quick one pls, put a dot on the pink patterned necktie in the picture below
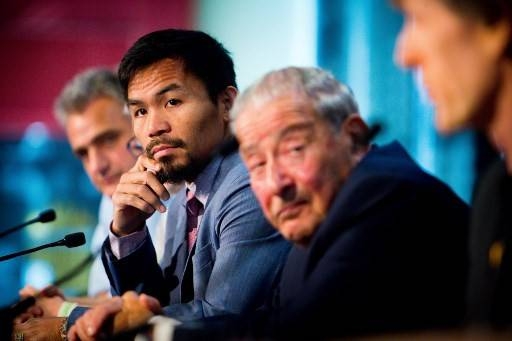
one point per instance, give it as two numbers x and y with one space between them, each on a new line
194 210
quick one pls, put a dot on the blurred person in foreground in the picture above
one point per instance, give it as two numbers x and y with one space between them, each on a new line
379 245
463 50
92 110
223 256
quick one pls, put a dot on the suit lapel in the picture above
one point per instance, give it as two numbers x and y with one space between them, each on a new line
181 263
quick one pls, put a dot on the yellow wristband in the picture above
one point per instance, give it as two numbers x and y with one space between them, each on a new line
66 308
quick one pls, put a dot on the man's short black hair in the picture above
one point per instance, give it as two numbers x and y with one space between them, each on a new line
489 11
201 55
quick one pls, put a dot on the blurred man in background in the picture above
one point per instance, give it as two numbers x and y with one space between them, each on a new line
92 110
463 50
93 113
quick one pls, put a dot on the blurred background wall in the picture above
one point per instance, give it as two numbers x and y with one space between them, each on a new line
44 43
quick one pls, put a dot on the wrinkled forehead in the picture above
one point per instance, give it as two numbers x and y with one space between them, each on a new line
272 107
266 126
264 98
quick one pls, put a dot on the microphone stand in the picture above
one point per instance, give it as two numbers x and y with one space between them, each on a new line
7 314
70 240
75 270
24 252
44 217
17 227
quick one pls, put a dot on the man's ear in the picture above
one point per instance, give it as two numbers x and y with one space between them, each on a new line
355 127
226 100
495 39
508 48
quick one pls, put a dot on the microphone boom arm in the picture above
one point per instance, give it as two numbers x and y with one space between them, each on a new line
44 217
24 252
70 240
17 227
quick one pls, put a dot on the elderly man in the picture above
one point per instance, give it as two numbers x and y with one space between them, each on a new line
223 256
464 51
379 244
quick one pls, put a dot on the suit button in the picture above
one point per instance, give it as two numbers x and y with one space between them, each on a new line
496 254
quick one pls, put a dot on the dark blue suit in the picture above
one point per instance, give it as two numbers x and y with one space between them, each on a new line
235 263
391 255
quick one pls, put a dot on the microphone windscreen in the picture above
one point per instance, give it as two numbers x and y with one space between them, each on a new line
74 239
46 216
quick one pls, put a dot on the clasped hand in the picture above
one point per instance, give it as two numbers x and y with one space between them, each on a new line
116 315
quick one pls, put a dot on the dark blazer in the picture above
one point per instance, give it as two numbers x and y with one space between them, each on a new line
390 255
490 280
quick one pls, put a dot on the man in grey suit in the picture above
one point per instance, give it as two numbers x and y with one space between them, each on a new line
180 86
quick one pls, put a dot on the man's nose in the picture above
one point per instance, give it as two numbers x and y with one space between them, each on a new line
98 162
278 178
406 53
157 124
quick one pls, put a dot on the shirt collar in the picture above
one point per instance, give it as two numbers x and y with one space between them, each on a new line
202 186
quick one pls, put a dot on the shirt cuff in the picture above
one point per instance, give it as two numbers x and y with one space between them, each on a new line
74 315
163 327
123 246
66 308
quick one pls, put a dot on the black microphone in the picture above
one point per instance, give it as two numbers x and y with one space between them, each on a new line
44 217
373 130
70 240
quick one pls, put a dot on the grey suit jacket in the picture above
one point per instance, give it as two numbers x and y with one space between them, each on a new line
237 259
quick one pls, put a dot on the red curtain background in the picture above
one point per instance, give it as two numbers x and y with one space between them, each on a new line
44 43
